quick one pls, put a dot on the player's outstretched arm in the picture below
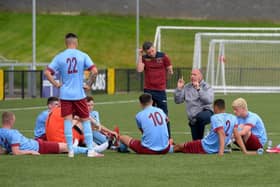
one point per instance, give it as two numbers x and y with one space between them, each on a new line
17 151
222 136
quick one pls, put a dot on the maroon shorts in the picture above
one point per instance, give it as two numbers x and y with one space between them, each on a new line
253 143
78 108
136 146
43 137
193 147
46 147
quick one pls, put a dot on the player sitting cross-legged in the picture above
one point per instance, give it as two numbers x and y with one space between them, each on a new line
223 125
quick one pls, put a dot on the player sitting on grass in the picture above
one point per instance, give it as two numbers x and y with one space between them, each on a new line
55 131
223 125
40 125
251 126
14 142
55 128
151 121
102 136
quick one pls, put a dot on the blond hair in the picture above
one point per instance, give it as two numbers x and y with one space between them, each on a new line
240 103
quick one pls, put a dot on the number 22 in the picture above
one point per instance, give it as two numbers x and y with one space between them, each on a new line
72 63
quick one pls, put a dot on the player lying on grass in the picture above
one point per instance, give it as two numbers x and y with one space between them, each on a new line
251 126
151 121
14 142
223 125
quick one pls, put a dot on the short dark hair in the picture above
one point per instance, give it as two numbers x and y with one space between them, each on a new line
7 116
145 98
147 45
89 98
52 99
220 103
70 35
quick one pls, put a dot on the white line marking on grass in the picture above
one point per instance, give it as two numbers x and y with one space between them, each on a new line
44 107
97 103
24 108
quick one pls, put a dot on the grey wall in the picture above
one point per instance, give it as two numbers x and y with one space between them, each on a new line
195 9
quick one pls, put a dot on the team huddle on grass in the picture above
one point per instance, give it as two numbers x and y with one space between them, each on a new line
71 126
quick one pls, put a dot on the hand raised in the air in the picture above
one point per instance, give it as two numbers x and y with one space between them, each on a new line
180 83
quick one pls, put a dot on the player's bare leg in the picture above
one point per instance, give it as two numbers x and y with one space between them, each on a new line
179 147
125 139
246 136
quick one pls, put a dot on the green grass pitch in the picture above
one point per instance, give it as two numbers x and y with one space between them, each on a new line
117 169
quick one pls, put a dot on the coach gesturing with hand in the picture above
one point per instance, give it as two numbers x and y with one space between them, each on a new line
199 97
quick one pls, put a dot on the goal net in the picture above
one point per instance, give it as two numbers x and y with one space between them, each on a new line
241 59
189 46
244 65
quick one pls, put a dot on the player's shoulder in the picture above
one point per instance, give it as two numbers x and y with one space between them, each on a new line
94 113
252 115
44 112
224 116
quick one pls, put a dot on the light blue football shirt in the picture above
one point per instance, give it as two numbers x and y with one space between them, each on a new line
71 64
95 115
40 125
227 122
10 137
152 121
98 137
257 125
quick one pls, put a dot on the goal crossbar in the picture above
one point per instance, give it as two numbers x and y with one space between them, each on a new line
220 67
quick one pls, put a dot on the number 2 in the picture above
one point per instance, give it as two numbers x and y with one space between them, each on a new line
227 127
72 63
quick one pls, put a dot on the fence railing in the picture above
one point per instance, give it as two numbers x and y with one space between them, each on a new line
32 83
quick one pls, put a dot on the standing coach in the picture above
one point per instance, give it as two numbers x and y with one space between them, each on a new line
156 67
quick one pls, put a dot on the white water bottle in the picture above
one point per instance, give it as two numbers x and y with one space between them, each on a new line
269 144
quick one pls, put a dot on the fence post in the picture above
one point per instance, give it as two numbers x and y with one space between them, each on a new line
11 81
22 84
2 90
110 80
128 80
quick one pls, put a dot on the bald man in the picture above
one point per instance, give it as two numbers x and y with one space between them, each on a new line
199 97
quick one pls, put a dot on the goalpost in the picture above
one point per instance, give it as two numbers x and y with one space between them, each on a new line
244 66
189 44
